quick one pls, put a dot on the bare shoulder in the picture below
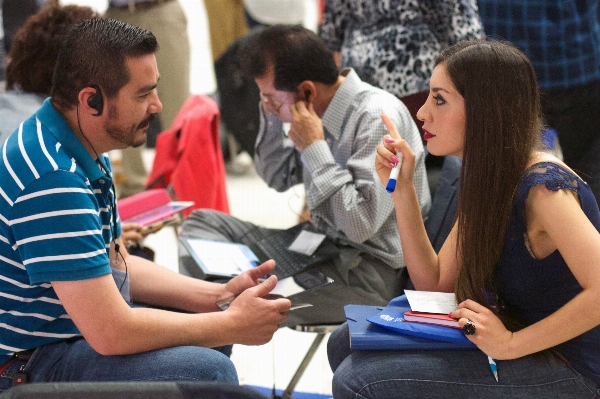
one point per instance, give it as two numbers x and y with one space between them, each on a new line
541 156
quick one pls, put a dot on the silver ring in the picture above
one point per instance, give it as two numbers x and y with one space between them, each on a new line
469 328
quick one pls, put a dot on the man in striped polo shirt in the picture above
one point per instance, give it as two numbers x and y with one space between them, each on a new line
65 276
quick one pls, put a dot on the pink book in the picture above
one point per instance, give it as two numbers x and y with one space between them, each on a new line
431 318
150 207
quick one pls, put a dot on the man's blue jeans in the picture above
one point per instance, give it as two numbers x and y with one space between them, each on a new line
78 362
447 374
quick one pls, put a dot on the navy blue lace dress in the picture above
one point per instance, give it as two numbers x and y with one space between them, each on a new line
534 288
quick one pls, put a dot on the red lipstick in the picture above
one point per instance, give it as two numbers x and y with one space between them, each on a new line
427 135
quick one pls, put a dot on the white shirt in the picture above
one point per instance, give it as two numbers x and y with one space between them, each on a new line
271 12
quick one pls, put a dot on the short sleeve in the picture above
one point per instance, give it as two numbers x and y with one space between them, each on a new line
57 229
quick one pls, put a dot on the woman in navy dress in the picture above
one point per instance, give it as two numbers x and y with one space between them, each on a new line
523 257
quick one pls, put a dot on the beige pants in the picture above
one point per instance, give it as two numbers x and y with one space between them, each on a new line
168 23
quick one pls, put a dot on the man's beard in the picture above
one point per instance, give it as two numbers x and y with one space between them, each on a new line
128 136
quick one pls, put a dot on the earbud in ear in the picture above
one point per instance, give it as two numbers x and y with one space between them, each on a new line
307 95
96 101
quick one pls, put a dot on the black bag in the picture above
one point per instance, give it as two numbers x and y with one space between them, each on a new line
238 97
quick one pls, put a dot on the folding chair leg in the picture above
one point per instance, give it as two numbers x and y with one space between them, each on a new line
287 394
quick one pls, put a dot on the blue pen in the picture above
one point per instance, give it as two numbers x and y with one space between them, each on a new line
493 367
391 185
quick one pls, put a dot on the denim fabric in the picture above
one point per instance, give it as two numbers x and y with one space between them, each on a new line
77 362
447 374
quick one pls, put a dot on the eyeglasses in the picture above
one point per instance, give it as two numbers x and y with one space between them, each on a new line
270 104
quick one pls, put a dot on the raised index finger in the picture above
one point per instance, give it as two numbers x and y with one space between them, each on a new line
391 128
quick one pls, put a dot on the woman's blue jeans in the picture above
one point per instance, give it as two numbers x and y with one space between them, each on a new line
447 374
76 361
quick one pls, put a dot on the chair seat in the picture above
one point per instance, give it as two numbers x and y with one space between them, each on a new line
131 390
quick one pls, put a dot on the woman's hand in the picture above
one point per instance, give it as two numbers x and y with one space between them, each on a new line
387 157
490 334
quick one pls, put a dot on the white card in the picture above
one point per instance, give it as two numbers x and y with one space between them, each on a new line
307 242
431 302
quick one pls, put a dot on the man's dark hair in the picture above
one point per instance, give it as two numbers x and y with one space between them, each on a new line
94 53
297 54
36 44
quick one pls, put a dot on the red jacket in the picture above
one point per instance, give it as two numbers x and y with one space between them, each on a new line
189 159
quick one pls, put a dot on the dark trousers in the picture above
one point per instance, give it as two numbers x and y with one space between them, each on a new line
358 277
573 113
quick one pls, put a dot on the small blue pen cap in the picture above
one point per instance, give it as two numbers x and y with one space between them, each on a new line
391 186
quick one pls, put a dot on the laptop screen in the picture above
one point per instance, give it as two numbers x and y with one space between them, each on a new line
217 258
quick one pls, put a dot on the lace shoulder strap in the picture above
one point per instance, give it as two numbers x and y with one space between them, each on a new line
554 176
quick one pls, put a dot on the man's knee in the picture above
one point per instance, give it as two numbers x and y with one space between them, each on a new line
201 364
199 218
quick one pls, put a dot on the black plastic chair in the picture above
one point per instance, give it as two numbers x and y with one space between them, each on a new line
131 390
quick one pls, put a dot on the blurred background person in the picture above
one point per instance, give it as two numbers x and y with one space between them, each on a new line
15 13
562 40
31 62
167 21
393 44
273 12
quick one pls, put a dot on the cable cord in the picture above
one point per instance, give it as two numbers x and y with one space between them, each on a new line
112 200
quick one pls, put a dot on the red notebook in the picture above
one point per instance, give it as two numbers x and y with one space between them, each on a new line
150 208
431 318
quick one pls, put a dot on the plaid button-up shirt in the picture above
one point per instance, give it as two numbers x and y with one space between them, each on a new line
560 37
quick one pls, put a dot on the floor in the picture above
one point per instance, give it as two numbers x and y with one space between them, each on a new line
274 363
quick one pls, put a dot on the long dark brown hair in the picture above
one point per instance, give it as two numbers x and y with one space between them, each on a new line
503 125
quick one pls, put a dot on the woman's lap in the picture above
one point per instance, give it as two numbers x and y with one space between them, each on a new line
448 374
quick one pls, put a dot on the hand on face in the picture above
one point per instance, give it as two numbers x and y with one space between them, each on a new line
490 335
307 127
386 156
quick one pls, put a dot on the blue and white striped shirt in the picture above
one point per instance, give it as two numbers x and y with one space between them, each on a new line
55 225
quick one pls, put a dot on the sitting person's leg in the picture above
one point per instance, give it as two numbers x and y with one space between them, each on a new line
454 374
214 225
338 346
77 361
358 279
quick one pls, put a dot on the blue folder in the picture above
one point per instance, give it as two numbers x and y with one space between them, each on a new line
392 318
365 335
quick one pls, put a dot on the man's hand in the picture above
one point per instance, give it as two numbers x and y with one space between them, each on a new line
307 127
247 279
255 315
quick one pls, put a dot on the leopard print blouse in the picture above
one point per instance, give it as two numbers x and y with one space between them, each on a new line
392 44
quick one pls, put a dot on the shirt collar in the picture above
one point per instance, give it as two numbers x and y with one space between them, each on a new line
72 145
334 115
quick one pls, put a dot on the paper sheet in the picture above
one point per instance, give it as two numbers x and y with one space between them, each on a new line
431 302
307 242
